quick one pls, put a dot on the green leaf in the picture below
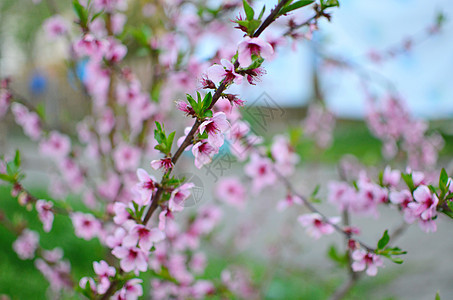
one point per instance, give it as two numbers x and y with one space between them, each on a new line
256 63
170 139
443 180
158 126
7 178
80 12
440 19
253 26
329 3
262 12
294 6
192 103
384 240
396 260
315 191
208 114
11 168
17 158
41 110
381 178
249 12
340 259
437 296
409 181
96 15
207 100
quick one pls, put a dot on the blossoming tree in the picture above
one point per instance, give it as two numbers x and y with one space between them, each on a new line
121 158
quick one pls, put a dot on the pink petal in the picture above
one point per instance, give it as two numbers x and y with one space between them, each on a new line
216 73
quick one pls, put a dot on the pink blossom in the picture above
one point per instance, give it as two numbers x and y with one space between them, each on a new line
130 291
86 225
72 174
202 288
253 46
55 26
203 153
109 188
132 259
319 124
56 146
289 201
215 127
178 269
53 255
403 198
181 139
283 153
316 226
427 225
366 260
115 51
106 122
186 108
425 203
260 170
128 94
104 271
391 177
110 5
118 20
116 239
57 274
126 157
121 213
341 194
231 191
87 280
143 236
45 213
198 262
225 72
178 196
146 186
5 99
28 120
234 100
208 217
164 163
26 244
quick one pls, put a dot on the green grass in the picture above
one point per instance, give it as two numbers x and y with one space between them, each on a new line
20 278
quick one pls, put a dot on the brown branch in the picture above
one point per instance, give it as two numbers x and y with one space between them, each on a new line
217 94
271 18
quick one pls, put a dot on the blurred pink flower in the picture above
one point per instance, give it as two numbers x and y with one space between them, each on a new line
86 225
231 191
366 260
55 26
26 244
131 259
316 226
45 213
